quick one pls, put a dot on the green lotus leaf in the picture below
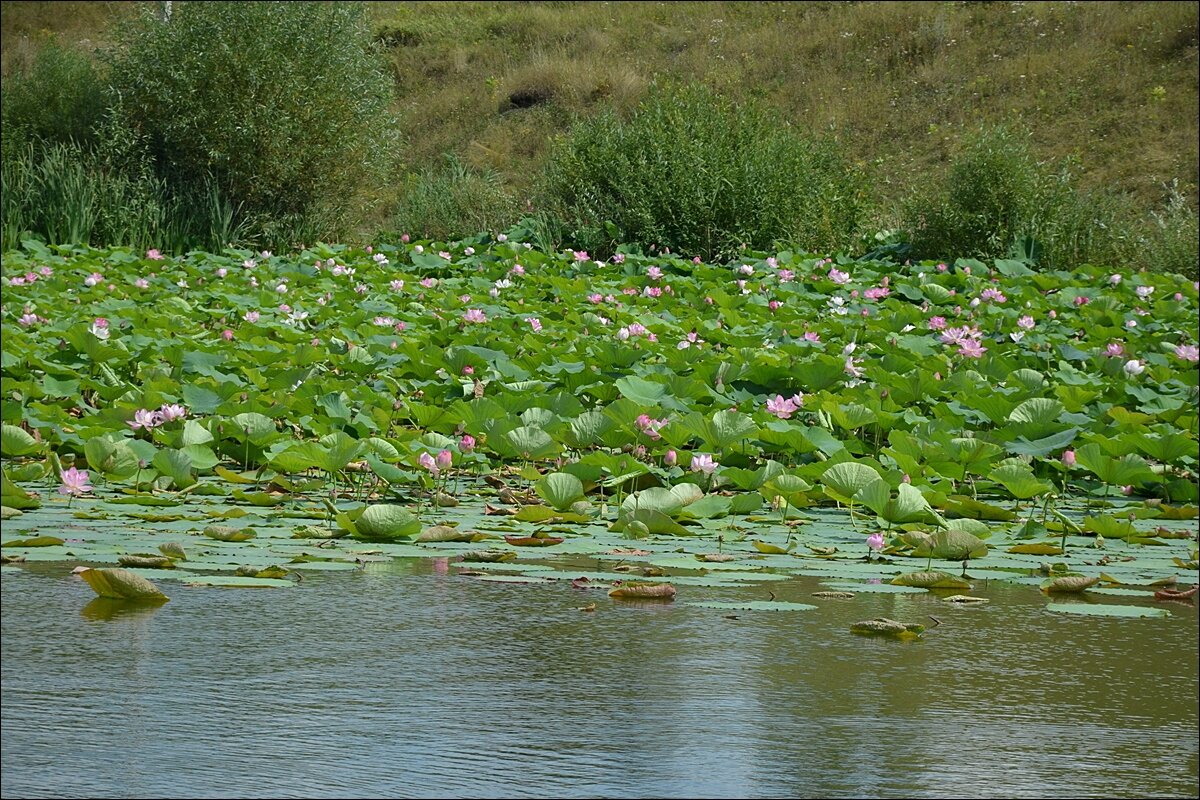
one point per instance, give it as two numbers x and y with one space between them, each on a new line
120 584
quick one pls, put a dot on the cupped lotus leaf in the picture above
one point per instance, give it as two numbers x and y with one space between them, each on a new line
1070 584
146 562
589 428
882 626
1126 470
298 457
931 580
530 442
1038 417
655 522
772 549
909 505
489 556
9 513
711 506
951 545
173 550
14 496
251 426
753 605
643 591
788 487
1020 481
35 541
636 529
120 584
560 490
384 522
1037 549
444 533
114 459
1110 527
685 494
970 508
1106 610
15 441
843 481
641 391
224 533
176 465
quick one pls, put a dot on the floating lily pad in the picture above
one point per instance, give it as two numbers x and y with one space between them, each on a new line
754 605
239 581
1102 610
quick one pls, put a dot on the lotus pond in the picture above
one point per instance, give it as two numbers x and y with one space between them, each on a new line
472 518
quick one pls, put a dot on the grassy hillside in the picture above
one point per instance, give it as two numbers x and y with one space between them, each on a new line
899 84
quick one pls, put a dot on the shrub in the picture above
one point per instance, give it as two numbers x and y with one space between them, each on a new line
58 98
453 202
701 175
284 104
997 196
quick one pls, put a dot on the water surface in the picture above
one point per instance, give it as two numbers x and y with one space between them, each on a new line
401 681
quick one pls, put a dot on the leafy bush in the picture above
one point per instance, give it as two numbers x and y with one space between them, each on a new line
106 194
452 202
284 104
58 98
700 175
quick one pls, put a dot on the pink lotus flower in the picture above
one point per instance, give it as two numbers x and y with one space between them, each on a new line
172 411
937 323
396 285
1144 291
517 270
852 367
670 459
444 459
1114 350
580 255
839 277
1188 352
428 283
427 461
971 348
810 336
26 320
146 419
474 315
1114 279
100 328
993 296
786 276
1082 301
650 426
93 279
154 255
75 482
875 541
535 324
1127 490
618 258
877 293
227 335
251 316
1026 323
1068 458
654 273
702 462
467 443
468 370
784 408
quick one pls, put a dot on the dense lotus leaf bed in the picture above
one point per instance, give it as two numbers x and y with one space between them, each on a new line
529 416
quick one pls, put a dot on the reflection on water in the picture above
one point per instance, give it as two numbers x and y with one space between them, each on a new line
108 608
415 682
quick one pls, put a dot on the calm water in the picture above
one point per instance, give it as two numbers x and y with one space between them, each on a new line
405 682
